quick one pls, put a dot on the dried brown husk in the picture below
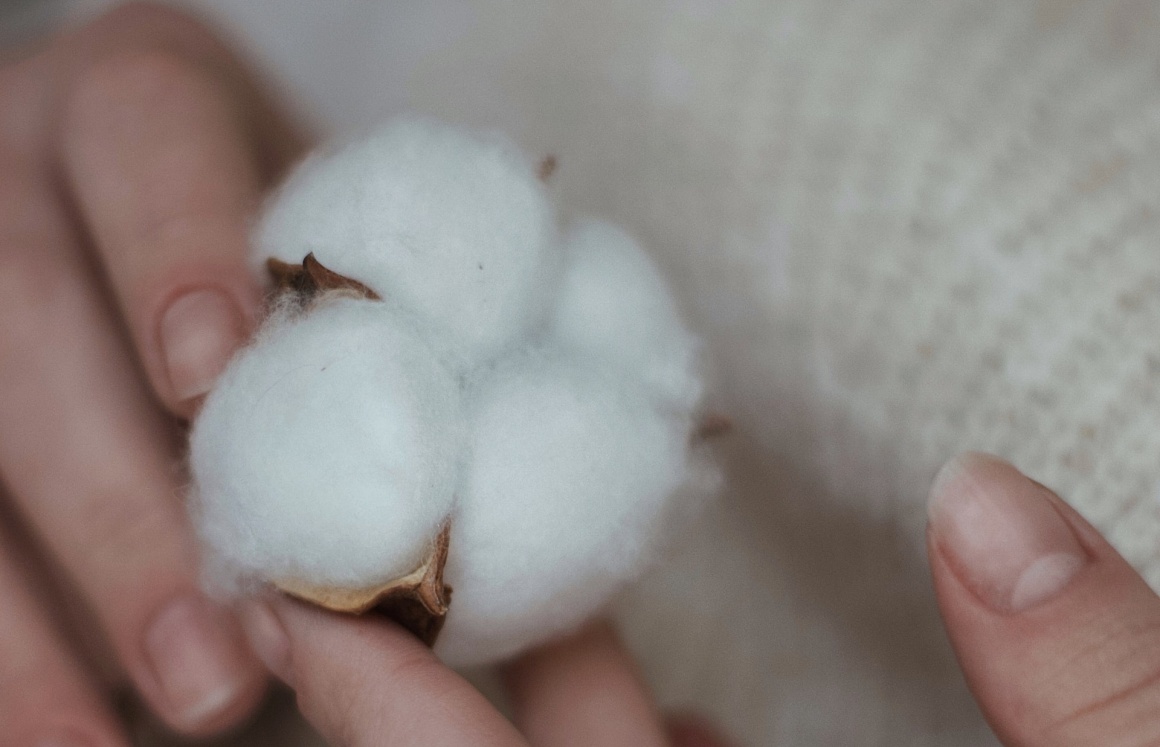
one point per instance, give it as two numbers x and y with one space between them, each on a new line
311 278
418 601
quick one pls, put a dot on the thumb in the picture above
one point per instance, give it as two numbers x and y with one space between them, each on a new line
364 681
1059 638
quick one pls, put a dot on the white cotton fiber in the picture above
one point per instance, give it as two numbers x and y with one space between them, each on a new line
614 304
538 394
454 226
569 476
328 452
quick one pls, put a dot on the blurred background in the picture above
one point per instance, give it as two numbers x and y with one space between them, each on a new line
905 228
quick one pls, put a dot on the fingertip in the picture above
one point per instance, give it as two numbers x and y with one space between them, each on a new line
233 710
958 467
206 679
1055 632
198 333
1002 534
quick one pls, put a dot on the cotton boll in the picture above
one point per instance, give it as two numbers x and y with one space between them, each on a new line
570 479
539 393
328 452
453 226
615 305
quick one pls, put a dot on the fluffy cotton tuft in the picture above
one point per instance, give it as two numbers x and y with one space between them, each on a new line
537 393
329 451
613 304
452 225
570 473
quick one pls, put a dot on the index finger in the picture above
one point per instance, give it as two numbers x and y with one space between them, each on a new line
167 163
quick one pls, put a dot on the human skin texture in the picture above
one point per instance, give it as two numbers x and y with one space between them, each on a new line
1058 636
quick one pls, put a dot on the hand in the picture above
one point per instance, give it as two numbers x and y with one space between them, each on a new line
1059 638
366 681
132 154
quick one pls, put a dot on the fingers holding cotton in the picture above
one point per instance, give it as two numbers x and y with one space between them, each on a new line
530 397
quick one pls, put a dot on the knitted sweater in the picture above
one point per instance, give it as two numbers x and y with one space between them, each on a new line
905 228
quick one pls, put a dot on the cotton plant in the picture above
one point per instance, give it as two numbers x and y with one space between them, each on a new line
457 411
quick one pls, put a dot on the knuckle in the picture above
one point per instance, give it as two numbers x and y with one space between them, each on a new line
141 55
116 89
123 533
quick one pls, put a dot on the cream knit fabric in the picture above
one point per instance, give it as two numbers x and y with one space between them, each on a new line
906 227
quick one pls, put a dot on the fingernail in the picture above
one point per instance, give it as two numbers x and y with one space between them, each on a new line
196 659
199 333
267 637
1001 534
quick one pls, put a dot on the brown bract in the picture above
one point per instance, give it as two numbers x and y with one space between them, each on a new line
418 601
311 278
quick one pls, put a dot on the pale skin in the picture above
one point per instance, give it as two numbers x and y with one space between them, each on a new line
133 153
1067 655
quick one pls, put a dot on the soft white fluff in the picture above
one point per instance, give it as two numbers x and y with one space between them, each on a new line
570 473
452 225
540 393
613 304
328 452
